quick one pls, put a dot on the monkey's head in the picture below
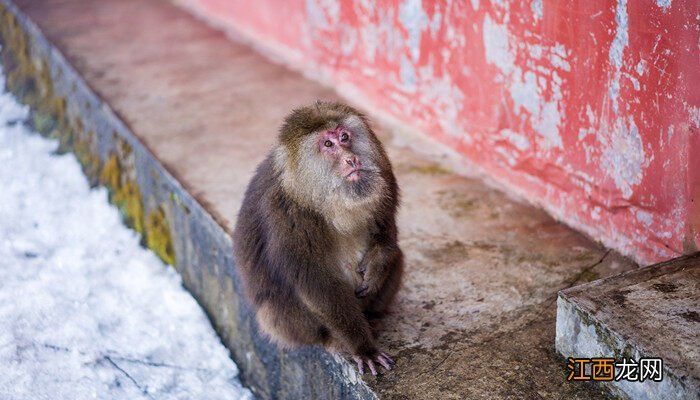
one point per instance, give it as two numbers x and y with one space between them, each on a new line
329 153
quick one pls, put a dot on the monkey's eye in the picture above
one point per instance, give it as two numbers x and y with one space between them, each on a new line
328 143
344 137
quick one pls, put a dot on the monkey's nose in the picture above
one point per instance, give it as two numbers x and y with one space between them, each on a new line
352 161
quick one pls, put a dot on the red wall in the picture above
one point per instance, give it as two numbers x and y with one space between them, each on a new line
589 108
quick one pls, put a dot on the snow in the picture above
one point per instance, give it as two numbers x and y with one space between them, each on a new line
85 311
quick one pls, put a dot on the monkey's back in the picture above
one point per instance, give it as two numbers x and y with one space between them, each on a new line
273 236
278 247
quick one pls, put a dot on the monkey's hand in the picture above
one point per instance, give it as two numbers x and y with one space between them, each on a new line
372 358
370 280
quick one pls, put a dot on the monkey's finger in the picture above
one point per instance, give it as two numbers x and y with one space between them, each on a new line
372 367
384 362
360 365
391 360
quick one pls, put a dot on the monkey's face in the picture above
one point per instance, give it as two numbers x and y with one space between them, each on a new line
329 159
347 156
336 146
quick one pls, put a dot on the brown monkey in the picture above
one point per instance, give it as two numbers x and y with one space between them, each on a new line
316 237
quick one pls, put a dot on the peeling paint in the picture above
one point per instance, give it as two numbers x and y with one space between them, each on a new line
537 10
518 140
590 115
447 99
524 88
414 20
435 24
645 217
408 75
617 50
323 12
635 81
496 44
558 57
623 157
694 116
664 4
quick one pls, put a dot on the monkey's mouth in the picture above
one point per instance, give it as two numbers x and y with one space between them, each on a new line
354 175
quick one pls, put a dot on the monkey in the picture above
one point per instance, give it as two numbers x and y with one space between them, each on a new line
316 239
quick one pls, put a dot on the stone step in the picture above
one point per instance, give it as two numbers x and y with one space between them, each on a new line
652 312
173 117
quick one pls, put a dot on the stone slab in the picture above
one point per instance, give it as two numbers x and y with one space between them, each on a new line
650 312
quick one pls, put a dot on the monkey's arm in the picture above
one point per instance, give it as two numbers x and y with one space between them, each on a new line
332 301
374 266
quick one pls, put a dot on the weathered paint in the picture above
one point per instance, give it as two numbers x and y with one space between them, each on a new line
589 108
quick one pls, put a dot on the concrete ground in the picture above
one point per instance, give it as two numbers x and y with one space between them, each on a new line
476 316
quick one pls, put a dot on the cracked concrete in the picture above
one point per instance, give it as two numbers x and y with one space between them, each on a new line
475 317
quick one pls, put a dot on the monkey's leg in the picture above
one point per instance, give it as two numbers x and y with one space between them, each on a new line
376 306
291 323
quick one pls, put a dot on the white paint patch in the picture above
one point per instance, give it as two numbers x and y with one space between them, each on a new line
435 24
526 90
582 133
446 98
323 13
537 10
475 5
664 4
391 41
589 114
506 155
644 217
641 67
558 57
408 75
634 81
617 50
535 51
694 116
498 53
548 124
518 140
348 41
623 155
414 20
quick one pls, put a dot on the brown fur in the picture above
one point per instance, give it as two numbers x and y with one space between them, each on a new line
316 258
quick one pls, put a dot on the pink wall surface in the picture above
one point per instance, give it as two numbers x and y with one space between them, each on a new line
589 108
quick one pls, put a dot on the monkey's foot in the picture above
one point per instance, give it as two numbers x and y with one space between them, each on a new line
379 357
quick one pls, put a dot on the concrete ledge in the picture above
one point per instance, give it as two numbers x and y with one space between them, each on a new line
650 312
172 117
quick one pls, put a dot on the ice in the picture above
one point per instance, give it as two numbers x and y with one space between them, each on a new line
85 311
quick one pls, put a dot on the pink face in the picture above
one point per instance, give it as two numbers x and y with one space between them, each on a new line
336 145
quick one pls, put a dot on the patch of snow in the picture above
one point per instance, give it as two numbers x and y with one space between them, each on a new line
85 311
